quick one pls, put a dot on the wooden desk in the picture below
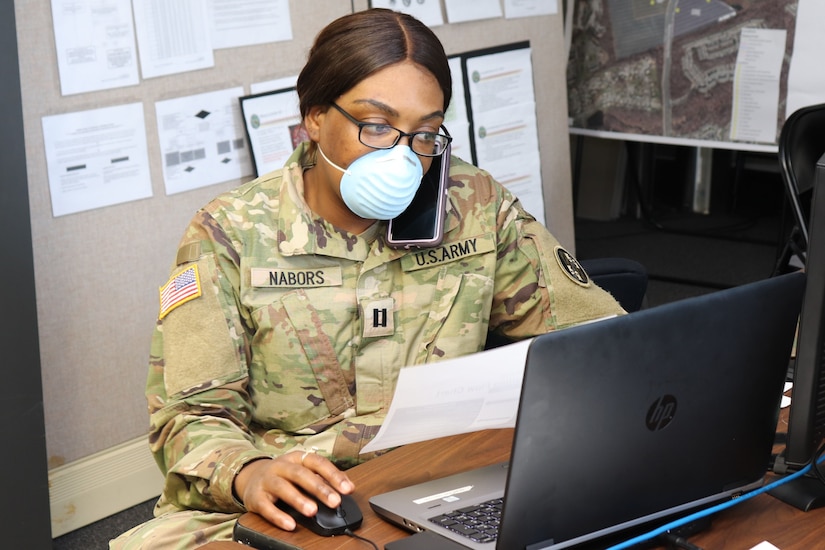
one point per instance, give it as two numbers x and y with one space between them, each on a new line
405 466
738 528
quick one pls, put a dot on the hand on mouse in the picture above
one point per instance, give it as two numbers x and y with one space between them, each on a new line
263 482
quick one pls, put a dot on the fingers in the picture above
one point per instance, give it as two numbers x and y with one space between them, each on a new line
332 477
293 478
265 504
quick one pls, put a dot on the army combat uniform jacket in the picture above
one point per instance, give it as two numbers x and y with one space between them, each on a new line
278 331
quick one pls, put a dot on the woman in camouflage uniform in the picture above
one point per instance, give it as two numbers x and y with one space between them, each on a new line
287 317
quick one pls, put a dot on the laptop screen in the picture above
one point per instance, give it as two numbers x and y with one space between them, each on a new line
636 418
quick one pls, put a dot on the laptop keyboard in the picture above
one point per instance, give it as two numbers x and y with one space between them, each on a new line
479 523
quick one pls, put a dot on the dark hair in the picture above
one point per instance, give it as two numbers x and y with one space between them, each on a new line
353 47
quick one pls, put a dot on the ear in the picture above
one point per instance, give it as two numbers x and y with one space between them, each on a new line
313 122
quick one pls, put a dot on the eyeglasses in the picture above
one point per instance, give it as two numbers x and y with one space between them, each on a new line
384 136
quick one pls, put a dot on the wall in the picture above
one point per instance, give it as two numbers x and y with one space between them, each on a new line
97 272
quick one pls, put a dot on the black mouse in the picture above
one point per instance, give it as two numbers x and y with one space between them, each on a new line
328 521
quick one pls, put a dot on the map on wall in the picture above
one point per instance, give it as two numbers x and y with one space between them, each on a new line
673 69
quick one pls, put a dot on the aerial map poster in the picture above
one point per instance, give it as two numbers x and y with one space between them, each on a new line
686 71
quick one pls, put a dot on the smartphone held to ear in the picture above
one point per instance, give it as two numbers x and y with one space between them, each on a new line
421 225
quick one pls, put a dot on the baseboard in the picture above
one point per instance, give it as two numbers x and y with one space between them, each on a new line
103 484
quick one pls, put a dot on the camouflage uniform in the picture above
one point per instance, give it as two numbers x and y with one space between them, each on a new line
291 316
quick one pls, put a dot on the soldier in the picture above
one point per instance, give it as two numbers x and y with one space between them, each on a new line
287 317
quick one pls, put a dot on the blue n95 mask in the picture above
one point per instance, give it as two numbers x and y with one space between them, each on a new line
381 184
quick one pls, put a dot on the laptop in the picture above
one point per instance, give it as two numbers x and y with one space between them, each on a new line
626 423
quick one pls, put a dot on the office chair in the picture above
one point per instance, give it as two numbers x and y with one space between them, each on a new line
801 143
625 279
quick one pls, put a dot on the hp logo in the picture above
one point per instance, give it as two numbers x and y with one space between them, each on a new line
661 412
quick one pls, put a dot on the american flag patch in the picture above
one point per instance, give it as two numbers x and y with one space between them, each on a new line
180 289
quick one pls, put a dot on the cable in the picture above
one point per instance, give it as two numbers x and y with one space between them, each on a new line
349 533
817 472
712 510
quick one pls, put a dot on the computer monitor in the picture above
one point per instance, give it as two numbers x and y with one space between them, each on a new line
806 420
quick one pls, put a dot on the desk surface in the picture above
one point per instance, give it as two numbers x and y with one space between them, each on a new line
740 527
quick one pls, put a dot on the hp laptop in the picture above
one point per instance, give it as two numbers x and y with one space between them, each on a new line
625 423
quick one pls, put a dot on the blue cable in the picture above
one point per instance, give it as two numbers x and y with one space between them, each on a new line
709 511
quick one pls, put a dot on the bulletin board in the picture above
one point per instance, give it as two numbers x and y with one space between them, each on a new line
97 271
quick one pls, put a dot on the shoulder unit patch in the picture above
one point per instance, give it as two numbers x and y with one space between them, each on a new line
571 267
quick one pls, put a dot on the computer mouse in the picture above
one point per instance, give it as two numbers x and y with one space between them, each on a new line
328 521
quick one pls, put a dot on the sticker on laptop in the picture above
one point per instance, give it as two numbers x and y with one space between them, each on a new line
444 496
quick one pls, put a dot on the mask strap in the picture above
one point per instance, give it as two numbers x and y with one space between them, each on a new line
329 161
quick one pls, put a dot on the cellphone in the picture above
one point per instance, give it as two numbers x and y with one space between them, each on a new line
421 225
256 539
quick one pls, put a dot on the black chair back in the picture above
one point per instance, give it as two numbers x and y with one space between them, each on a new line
801 143
624 278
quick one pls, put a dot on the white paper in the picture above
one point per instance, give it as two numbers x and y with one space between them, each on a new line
786 399
273 124
529 8
273 85
505 125
806 79
95 45
500 79
202 140
459 11
456 119
756 85
247 22
507 134
475 392
173 36
96 158
426 11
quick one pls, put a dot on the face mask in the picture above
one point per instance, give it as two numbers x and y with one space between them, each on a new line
381 184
